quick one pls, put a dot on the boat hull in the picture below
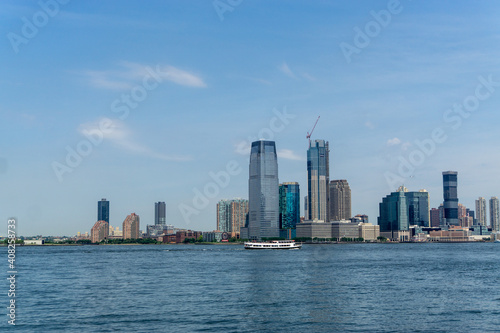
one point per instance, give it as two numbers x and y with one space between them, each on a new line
274 245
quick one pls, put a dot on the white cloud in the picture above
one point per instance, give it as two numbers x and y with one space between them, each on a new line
369 124
393 142
286 70
131 74
120 135
289 155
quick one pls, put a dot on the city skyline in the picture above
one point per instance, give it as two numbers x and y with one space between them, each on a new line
161 100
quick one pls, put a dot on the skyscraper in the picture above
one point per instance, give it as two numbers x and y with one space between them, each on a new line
340 200
231 215
318 177
131 227
494 214
450 195
103 210
263 190
394 212
289 205
418 208
435 217
481 211
160 213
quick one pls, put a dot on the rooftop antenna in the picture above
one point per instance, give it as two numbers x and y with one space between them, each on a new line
308 136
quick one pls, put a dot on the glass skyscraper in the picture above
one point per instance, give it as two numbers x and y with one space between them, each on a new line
263 191
160 213
103 210
418 208
394 212
289 205
450 195
318 177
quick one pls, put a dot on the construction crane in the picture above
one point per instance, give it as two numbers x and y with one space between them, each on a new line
308 136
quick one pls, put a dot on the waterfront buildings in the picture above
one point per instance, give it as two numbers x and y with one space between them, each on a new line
494 214
100 231
418 208
435 217
337 230
131 227
340 200
289 194
232 215
481 211
103 210
263 191
450 195
318 178
160 213
394 212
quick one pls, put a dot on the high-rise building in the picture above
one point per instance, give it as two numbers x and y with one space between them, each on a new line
450 195
100 231
494 214
131 227
318 178
340 200
481 211
418 208
160 213
231 215
103 210
263 191
435 217
289 205
394 212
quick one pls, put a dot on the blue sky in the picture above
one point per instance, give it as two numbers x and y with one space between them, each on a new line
222 73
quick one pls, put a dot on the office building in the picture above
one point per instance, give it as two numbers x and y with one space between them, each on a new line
481 211
263 191
160 213
418 208
393 216
100 231
131 227
318 178
494 214
289 205
232 215
340 200
435 217
103 210
450 195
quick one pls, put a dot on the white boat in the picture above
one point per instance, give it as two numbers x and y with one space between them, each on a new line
273 245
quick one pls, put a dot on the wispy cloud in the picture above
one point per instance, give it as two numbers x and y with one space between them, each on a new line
130 74
121 136
289 155
393 142
286 70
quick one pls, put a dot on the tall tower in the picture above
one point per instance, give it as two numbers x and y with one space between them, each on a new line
103 210
481 211
450 196
318 177
494 214
289 205
263 191
340 200
160 213
131 227
418 208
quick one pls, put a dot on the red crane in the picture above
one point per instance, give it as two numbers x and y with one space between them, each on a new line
308 136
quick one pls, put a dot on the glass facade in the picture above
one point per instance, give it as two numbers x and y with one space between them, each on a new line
289 205
418 208
160 213
450 195
263 191
103 210
393 212
318 177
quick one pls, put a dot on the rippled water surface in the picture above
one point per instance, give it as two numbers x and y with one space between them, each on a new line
224 288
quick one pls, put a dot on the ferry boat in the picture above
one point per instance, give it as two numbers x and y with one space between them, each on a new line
273 245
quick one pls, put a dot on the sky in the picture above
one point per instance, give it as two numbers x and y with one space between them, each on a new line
146 101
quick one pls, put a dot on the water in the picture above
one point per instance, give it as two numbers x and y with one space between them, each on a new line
224 288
